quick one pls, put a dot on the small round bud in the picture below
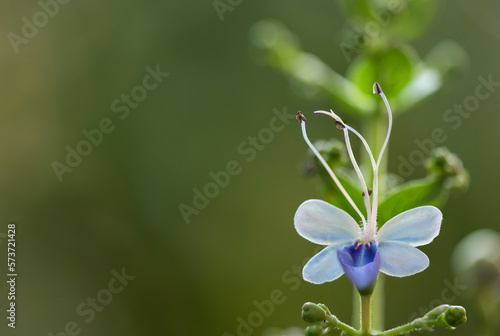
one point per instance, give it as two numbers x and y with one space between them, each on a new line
332 150
313 313
315 330
455 316
434 313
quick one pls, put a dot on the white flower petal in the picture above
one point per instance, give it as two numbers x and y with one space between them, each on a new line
324 224
400 259
418 226
324 266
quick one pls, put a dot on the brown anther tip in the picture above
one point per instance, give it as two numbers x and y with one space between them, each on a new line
369 192
300 117
339 125
376 88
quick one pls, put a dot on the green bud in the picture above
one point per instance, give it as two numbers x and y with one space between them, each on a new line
325 308
449 167
333 151
434 313
314 330
455 316
313 313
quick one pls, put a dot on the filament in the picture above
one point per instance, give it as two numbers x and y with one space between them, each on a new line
330 172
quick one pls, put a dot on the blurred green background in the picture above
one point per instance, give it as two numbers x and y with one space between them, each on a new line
120 206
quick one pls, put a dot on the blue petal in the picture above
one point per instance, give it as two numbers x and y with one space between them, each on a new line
361 263
324 266
400 259
322 223
418 226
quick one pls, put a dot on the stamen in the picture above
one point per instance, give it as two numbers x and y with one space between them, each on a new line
366 197
346 128
338 122
301 119
365 143
372 225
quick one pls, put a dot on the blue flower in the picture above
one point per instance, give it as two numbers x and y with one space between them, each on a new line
361 252
392 250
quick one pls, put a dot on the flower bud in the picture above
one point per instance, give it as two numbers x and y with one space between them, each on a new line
314 330
455 316
434 313
313 313
333 151
448 166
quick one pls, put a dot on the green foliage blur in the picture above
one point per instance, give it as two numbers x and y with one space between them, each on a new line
119 207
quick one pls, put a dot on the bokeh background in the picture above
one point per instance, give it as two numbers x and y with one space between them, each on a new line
119 208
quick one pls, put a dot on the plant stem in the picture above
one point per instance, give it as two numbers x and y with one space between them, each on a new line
417 324
366 314
347 329
398 330
378 303
356 309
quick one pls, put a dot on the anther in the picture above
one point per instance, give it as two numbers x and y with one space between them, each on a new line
339 125
370 190
300 117
338 122
376 88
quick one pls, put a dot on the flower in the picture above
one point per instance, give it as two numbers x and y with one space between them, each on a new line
361 252
392 250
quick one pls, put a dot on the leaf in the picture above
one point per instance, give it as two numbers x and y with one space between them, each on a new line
426 82
359 9
280 48
426 191
393 69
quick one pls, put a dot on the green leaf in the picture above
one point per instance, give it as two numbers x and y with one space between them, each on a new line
431 74
359 9
425 83
445 56
393 69
426 191
280 48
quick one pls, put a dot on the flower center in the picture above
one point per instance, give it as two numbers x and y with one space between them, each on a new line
360 254
361 264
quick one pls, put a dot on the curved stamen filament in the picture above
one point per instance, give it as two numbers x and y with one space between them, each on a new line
366 194
368 150
372 224
344 125
330 172
346 128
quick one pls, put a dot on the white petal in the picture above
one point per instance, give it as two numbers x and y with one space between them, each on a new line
418 226
324 266
400 259
322 223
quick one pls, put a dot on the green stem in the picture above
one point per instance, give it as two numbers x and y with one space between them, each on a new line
378 303
356 309
366 314
398 330
417 324
347 329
